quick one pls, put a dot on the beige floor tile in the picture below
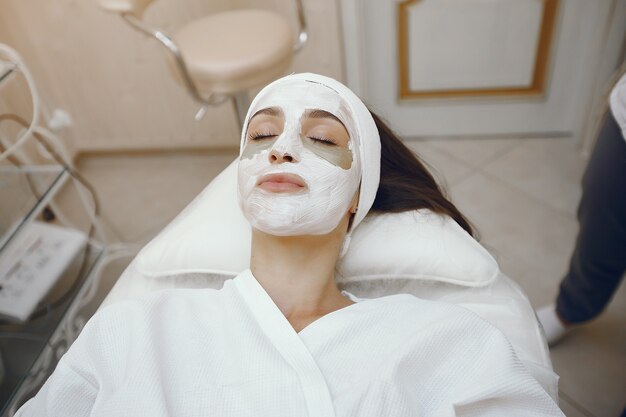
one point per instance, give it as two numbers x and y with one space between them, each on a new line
447 169
546 169
475 152
591 361
573 410
109 273
531 242
139 195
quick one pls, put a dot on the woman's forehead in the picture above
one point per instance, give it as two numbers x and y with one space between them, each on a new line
294 99
277 112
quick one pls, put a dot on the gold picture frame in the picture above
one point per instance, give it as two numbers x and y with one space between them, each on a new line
537 86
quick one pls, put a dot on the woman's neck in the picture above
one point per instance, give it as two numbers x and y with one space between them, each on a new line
298 273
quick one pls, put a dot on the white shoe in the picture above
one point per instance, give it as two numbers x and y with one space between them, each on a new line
552 325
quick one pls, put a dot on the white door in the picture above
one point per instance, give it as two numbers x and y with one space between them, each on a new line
479 67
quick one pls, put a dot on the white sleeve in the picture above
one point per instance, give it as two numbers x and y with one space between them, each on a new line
617 102
65 394
500 385
86 367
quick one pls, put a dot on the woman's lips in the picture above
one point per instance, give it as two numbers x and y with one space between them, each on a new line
281 183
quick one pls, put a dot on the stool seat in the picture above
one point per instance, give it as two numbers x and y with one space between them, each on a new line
234 51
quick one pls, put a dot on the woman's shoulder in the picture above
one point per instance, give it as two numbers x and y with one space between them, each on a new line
174 302
445 328
419 314
417 304
137 321
158 299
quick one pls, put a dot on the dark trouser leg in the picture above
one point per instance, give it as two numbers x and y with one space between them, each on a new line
599 259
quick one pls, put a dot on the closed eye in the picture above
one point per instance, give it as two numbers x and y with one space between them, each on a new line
260 135
325 141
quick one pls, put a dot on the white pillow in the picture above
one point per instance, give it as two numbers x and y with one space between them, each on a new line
211 235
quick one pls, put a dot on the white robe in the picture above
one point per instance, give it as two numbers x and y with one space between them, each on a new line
231 352
617 103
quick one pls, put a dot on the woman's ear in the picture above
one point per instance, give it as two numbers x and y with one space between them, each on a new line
354 203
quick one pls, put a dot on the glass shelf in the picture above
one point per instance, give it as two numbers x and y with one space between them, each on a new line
32 348
24 192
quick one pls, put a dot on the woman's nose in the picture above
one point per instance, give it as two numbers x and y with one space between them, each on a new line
287 148
277 156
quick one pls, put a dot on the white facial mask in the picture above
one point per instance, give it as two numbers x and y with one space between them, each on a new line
330 186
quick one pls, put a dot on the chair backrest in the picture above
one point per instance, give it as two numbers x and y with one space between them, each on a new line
416 252
135 7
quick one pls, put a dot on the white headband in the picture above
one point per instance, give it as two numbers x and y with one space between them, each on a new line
368 138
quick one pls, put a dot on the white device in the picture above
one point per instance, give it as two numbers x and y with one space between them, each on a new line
32 263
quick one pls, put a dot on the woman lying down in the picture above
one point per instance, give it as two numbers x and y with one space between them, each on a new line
281 339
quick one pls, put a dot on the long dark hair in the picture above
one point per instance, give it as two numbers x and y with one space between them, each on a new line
406 184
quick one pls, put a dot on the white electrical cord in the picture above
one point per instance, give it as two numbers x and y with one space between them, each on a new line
14 57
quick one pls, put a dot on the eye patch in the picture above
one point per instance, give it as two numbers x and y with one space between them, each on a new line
336 155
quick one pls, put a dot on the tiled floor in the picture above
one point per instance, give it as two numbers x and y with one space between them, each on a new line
521 194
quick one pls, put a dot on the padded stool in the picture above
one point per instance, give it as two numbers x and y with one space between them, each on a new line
223 55
248 48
